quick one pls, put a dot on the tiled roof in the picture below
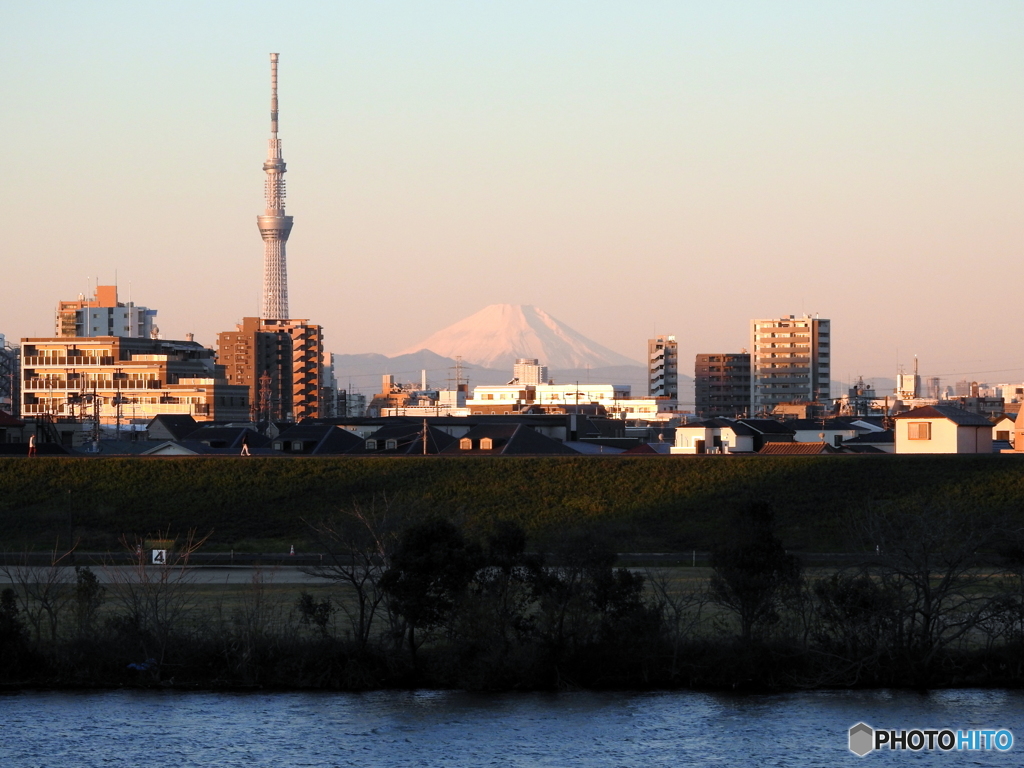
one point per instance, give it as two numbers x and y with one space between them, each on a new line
767 426
408 440
651 449
508 440
957 415
177 425
872 438
227 437
811 424
795 449
736 426
329 439
6 420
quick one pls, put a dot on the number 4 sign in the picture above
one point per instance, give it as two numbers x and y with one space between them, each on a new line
159 557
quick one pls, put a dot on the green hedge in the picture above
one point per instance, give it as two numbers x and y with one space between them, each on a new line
657 503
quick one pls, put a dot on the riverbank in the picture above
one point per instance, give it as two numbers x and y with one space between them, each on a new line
656 504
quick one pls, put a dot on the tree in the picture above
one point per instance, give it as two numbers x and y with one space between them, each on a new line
430 571
753 573
156 602
931 559
88 598
44 591
358 546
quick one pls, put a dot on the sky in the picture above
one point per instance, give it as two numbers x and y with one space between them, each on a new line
630 167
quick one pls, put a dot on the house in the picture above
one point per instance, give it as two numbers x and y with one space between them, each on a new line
942 429
506 440
871 442
171 426
717 435
403 440
12 430
315 440
650 449
1002 433
832 431
768 431
213 441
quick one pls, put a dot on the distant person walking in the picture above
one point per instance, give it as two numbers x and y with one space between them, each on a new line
245 444
31 446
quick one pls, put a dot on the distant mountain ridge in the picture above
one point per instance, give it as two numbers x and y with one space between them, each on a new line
498 334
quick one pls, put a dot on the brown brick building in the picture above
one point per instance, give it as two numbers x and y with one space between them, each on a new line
280 361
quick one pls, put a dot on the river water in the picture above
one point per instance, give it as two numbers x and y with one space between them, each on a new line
435 728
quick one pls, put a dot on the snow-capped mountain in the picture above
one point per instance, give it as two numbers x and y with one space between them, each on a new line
496 335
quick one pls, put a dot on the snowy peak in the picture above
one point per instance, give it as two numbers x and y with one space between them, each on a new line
496 335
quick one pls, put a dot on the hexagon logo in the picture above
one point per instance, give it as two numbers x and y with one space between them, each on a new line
862 739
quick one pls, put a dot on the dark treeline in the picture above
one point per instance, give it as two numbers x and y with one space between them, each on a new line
422 600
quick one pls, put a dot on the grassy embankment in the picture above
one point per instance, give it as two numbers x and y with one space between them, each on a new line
658 504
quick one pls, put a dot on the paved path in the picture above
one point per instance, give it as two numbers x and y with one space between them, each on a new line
227 574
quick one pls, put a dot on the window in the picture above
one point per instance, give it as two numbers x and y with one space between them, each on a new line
486 444
371 445
1003 434
465 444
919 430
391 445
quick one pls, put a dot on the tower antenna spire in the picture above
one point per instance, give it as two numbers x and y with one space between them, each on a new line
274 225
273 94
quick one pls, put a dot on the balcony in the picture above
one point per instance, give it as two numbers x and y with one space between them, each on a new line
38 361
101 384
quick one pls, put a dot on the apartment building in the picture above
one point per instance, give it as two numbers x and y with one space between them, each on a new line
663 367
115 380
722 384
790 361
281 364
103 315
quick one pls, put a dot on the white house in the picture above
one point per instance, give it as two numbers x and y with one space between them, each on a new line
942 429
713 436
1002 430
831 431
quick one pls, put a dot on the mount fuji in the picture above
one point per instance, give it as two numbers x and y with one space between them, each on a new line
499 334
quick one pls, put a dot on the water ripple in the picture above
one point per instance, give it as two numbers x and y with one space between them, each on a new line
462 730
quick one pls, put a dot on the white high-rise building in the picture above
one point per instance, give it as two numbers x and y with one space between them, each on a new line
663 367
104 315
790 361
528 370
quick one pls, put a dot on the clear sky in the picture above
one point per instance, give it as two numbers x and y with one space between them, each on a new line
630 167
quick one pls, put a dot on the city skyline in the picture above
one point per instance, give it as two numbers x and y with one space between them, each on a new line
692 168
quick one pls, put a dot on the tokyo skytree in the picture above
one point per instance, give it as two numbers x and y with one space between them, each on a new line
274 225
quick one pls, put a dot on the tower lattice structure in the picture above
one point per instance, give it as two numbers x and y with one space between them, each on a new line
274 225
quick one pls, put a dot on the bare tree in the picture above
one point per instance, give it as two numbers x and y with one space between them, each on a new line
754 575
157 600
682 608
43 591
357 546
931 562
